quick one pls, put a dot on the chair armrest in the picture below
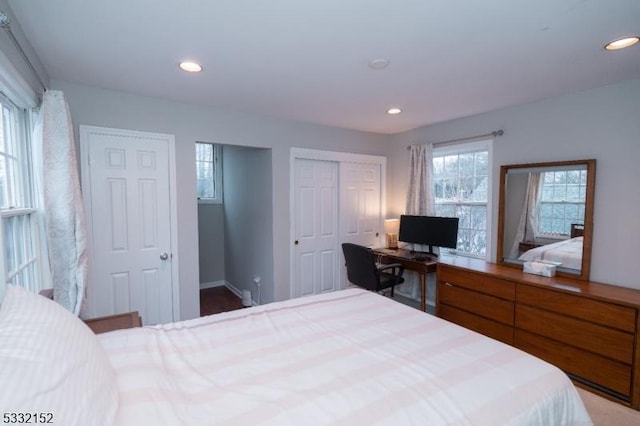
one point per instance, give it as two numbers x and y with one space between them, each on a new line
393 266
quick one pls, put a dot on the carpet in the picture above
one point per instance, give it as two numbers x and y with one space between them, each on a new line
604 412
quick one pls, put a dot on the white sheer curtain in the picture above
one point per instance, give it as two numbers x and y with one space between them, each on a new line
420 197
420 201
59 185
528 225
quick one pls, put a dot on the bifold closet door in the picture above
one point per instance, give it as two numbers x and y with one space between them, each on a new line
316 255
333 202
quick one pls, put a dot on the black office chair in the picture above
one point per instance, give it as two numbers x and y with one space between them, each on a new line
363 271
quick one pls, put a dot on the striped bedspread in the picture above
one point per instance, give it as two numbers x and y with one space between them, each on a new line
345 358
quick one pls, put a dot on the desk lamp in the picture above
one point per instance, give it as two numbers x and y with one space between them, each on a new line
391 227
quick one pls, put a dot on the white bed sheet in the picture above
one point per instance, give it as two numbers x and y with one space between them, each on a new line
567 252
344 358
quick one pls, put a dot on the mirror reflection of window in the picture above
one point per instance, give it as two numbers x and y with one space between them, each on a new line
562 202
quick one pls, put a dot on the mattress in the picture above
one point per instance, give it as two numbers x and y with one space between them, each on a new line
350 357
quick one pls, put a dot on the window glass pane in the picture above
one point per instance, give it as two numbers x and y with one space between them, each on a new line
464 213
573 177
466 189
451 165
208 172
3 182
466 164
461 190
482 163
18 248
480 191
205 188
446 210
438 166
573 193
562 202
479 217
9 245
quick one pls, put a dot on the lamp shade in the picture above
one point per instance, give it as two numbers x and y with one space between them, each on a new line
391 226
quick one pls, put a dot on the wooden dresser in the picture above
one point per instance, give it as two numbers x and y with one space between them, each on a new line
590 330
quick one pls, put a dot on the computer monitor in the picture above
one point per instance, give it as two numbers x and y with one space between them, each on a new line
429 230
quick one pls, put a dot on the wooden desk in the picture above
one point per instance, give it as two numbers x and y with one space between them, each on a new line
407 259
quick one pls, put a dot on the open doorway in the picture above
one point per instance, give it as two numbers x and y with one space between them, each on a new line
236 234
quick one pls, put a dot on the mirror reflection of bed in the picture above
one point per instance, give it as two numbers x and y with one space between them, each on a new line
566 253
545 214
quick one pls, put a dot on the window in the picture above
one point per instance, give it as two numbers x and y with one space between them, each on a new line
562 201
461 179
208 172
19 223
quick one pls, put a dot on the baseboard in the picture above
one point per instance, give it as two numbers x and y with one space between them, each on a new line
230 286
213 284
234 289
238 293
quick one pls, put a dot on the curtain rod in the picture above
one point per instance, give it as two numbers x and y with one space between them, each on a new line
495 133
5 24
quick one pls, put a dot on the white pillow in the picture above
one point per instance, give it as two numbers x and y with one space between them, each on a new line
51 363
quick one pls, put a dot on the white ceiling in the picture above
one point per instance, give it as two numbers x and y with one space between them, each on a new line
307 60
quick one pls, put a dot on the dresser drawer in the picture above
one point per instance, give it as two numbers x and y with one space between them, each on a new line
613 375
490 307
481 325
608 314
478 281
608 342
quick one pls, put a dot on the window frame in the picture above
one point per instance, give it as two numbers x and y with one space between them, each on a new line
26 269
216 175
463 148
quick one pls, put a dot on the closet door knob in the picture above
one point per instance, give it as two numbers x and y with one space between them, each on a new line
164 256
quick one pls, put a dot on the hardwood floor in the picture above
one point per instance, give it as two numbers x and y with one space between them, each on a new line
221 299
218 299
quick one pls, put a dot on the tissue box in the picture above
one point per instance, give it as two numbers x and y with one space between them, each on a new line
540 268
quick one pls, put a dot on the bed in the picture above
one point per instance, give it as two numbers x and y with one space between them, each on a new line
349 357
567 253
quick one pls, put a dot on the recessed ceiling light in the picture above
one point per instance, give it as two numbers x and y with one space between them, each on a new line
622 43
190 66
378 64
394 111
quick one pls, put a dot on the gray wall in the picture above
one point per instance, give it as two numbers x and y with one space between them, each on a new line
602 123
211 240
8 48
248 219
190 123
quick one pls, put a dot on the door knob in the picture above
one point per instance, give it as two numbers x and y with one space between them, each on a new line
164 256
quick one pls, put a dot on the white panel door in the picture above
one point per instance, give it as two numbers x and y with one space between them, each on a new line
316 227
130 223
360 206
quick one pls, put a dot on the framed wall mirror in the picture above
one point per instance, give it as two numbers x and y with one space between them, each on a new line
546 213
